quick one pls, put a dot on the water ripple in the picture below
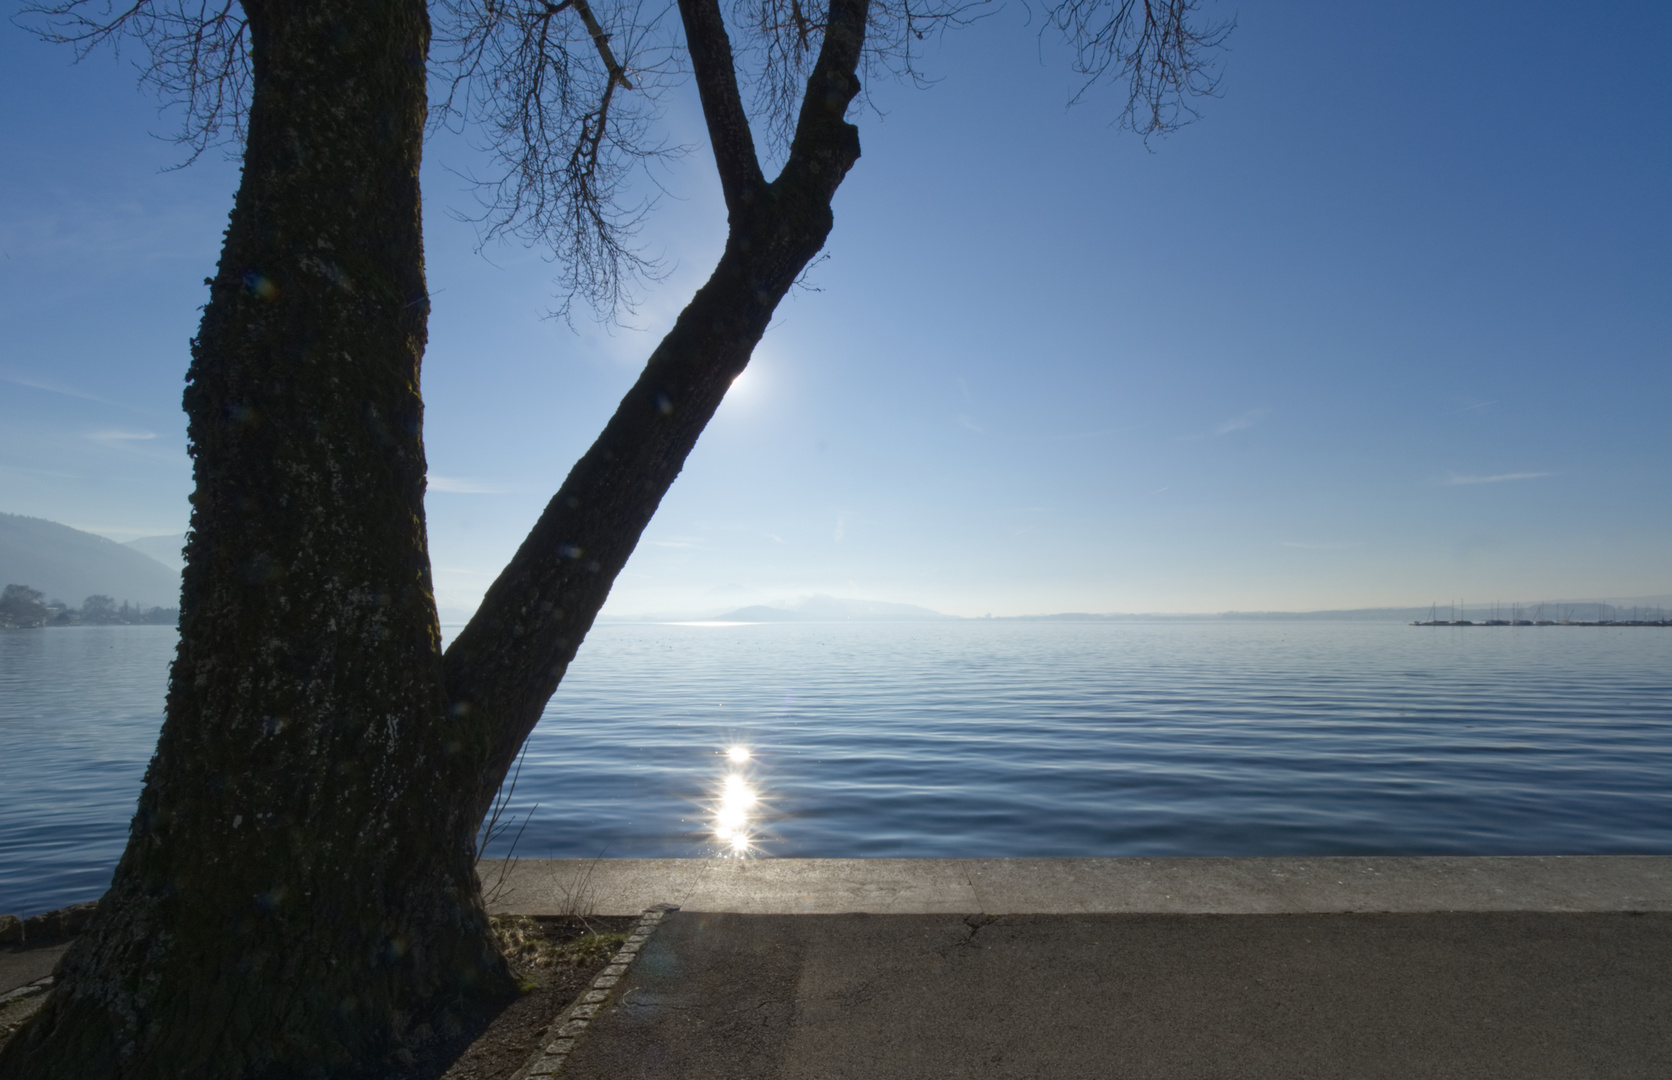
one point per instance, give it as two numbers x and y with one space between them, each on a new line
970 739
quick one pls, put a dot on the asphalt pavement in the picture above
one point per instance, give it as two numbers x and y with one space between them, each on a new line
1521 995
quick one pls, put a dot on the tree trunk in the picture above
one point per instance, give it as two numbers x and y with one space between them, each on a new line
297 897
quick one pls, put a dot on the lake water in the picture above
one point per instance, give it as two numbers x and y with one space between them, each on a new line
980 738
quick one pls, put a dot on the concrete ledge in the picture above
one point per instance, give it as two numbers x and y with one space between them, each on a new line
1217 886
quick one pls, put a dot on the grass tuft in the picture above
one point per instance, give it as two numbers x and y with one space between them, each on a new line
531 943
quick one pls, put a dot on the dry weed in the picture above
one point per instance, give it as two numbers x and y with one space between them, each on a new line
531 943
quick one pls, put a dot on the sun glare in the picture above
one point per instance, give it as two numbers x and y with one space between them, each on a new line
733 807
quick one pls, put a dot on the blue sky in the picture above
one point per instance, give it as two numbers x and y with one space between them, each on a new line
1389 325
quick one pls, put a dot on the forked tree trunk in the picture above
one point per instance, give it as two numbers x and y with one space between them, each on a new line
297 897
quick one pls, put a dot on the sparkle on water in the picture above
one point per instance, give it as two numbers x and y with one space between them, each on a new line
731 816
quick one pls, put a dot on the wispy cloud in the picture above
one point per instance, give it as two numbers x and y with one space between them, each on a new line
458 485
1307 545
1496 478
677 542
52 387
1240 423
116 237
1070 436
139 445
116 436
971 424
1472 408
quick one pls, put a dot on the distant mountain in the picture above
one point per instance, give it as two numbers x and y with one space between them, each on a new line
1552 609
168 550
70 565
758 613
1353 615
833 609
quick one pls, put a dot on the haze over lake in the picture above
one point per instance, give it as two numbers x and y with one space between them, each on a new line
971 738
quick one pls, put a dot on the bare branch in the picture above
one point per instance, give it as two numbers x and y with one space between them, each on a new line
543 80
722 105
600 40
1155 47
198 62
781 40
564 94
833 82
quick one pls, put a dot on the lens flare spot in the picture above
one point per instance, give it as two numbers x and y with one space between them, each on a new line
738 753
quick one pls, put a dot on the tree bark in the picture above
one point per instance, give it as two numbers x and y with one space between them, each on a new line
298 896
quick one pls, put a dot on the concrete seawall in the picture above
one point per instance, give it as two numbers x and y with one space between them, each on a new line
1073 886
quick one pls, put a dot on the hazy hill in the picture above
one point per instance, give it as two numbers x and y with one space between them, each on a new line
168 550
1352 615
832 609
70 565
1616 607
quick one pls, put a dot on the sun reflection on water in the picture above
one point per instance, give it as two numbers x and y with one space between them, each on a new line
733 808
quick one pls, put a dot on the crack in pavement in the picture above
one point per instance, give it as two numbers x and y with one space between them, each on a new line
975 923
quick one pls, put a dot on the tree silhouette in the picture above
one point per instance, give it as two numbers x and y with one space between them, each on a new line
98 609
298 895
22 606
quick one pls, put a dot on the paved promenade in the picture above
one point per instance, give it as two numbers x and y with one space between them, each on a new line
1130 968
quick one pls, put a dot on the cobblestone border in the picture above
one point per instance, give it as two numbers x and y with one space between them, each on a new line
573 1021
39 986
19 1004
